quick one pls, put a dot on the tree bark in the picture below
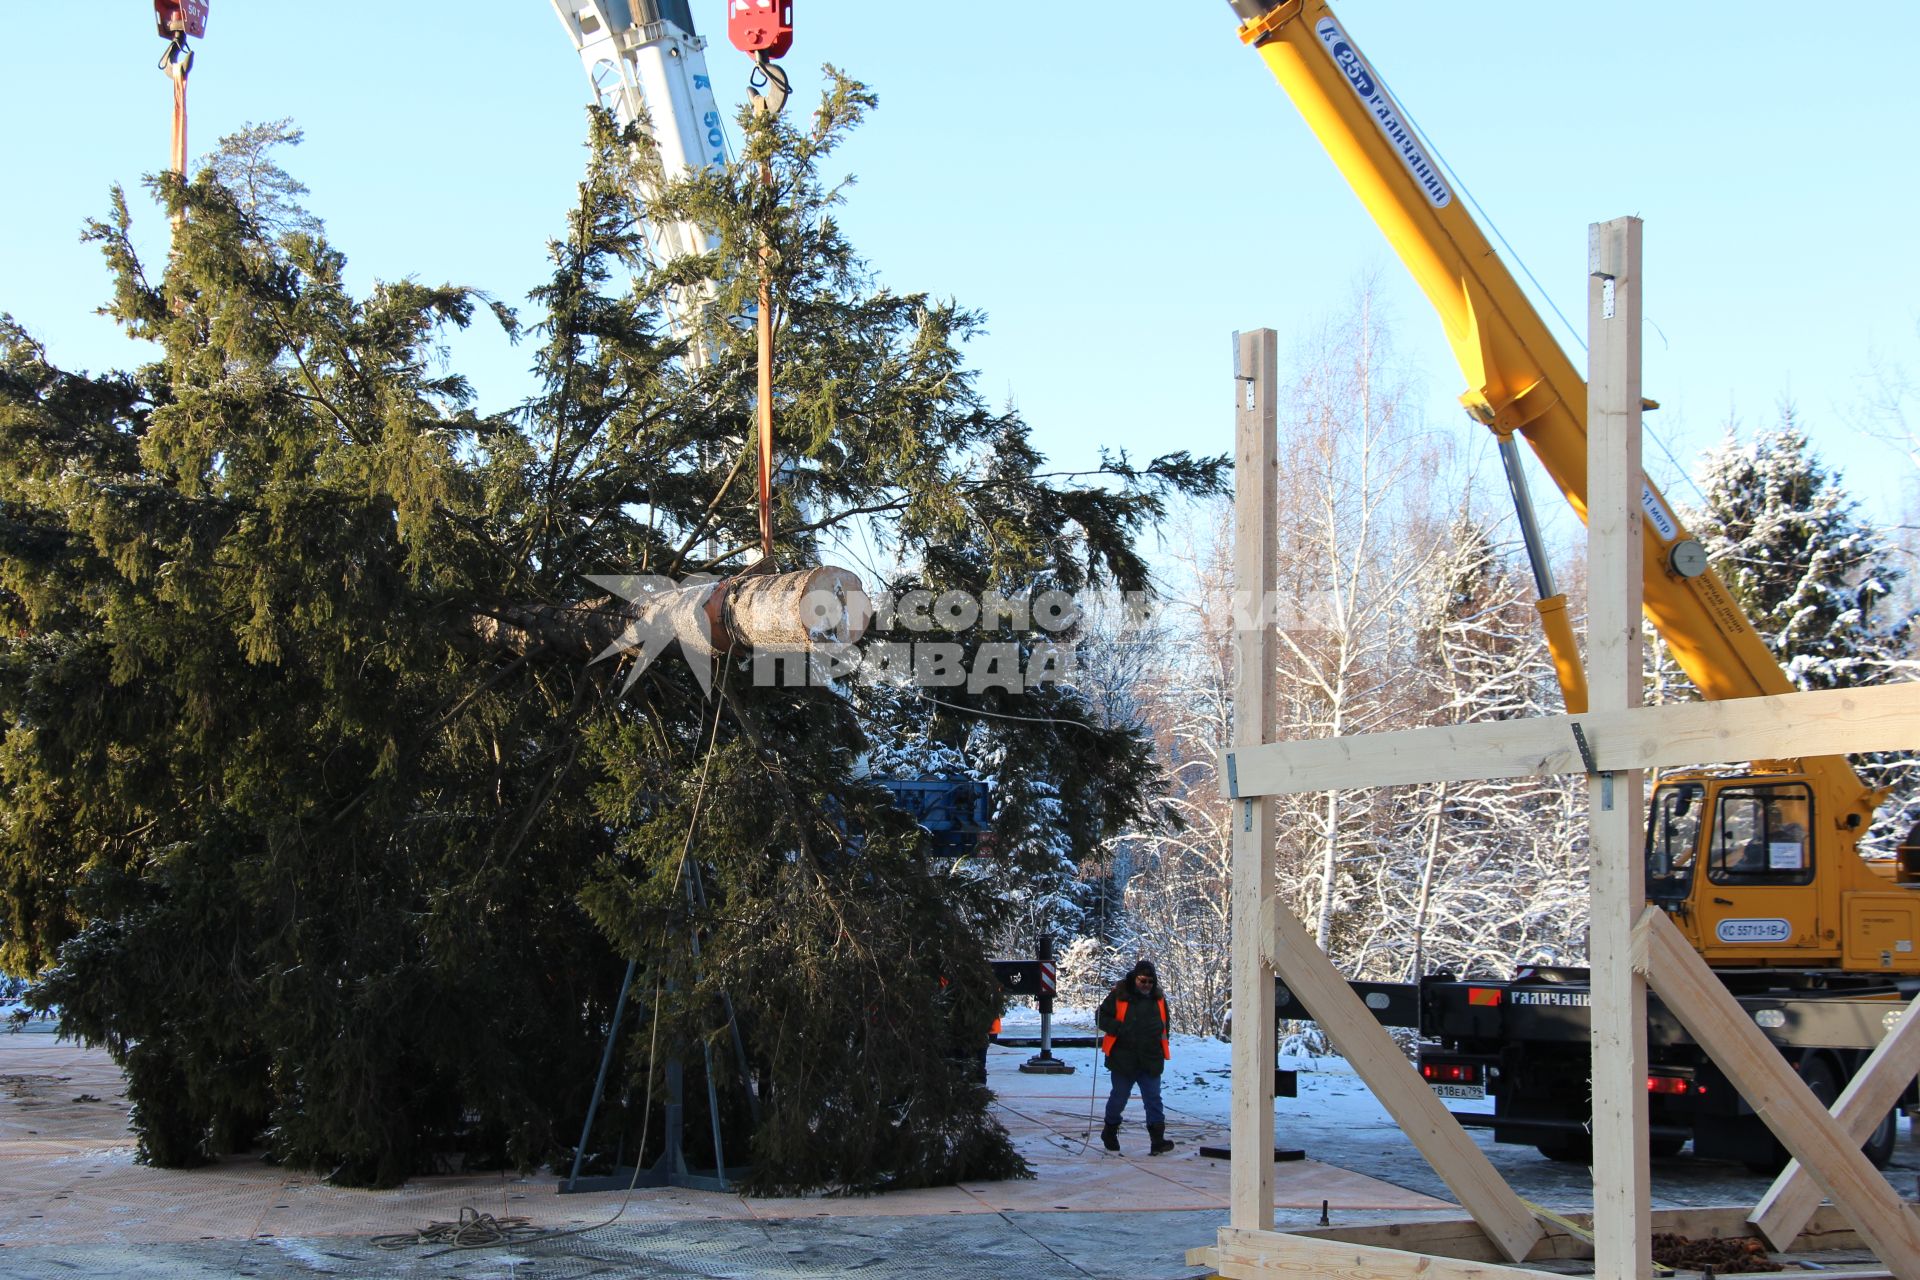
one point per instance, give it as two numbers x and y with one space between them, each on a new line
775 613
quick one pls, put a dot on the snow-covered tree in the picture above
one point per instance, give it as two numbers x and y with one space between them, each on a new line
1816 578
1477 876
1178 900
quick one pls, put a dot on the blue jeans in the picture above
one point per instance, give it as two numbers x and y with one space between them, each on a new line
1123 1088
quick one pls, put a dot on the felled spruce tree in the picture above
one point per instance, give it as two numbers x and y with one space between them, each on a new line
310 813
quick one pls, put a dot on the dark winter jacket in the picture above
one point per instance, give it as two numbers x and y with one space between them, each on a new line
1136 1044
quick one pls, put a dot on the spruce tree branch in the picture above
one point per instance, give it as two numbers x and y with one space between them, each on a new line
706 517
519 661
581 255
568 727
769 761
292 348
829 522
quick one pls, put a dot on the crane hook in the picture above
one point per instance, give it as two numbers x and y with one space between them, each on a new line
178 57
768 86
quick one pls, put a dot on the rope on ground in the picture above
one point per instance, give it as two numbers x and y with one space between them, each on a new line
472 1230
1002 1215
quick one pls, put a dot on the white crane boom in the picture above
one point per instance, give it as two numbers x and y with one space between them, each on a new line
645 62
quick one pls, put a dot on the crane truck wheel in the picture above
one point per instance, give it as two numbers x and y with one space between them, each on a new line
1879 1147
1577 1149
1823 1080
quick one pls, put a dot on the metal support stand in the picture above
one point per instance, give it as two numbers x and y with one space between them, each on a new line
600 1081
1044 1063
670 1170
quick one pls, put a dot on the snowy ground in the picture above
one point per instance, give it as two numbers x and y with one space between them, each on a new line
1198 1083
1336 1120
73 1203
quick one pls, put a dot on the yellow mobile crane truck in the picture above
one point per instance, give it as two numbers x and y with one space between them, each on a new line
1760 868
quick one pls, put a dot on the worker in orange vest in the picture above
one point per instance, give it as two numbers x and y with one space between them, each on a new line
1135 1020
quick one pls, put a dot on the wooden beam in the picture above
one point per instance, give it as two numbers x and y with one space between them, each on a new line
1794 1196
1825 722
1459 1238
1748 1059
1257 1255
1463 1238
1255 717
1622 1238
1378 1061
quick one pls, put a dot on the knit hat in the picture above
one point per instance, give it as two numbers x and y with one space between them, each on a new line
1145 967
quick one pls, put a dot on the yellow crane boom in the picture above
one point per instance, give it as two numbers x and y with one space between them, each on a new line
1519 381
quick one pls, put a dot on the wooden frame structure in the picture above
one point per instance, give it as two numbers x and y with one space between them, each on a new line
1633 947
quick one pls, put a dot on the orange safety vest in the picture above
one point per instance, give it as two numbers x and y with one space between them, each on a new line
1120 1015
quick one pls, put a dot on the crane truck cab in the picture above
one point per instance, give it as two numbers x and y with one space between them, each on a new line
1757 876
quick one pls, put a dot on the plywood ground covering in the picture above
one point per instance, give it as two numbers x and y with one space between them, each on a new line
67 1173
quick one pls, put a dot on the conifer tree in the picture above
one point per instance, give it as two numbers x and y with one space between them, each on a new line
1819 582
313 815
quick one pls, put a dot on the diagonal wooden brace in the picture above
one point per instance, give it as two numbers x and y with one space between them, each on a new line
1360 1038
1748 1059
1783 1213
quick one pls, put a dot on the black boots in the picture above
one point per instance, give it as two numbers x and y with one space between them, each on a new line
1110 1139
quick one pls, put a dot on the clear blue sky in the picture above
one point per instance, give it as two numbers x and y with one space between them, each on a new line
1119 186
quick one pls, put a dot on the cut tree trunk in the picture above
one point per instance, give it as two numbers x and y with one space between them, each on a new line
767 613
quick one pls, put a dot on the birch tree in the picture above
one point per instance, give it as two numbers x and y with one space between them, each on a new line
1178 903
1356 530
1476 876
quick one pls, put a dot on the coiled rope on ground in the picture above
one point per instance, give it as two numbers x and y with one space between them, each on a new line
472 1230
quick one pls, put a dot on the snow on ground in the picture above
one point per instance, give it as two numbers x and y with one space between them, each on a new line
1198 1081
1336 1120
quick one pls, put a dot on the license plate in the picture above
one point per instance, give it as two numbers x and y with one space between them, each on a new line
1461 1090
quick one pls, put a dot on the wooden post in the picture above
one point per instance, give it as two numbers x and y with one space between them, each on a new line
1615 801
1255 720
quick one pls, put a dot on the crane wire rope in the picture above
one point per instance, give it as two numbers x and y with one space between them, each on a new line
1513 255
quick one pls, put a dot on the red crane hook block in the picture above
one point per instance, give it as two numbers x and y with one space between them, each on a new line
180 18
755 26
